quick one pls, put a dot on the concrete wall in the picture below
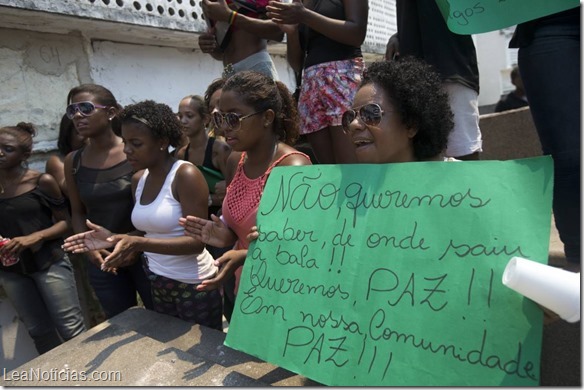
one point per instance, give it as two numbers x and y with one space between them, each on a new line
38 69
165 74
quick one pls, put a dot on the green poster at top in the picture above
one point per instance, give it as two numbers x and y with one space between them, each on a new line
475 17
390 274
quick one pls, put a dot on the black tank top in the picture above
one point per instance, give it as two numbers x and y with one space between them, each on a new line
106 194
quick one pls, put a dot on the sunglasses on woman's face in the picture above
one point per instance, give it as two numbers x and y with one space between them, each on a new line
370 114
84 108
230 119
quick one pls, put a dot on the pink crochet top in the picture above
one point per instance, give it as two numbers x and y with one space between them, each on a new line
241 203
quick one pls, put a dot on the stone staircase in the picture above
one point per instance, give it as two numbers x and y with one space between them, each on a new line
140 347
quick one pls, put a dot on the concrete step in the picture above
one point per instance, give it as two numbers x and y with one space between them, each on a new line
142 348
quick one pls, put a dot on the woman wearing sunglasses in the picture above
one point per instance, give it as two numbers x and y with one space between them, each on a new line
400 114
98 179
34 271
165 189
259 119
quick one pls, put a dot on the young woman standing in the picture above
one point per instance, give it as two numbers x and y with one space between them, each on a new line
259 118
165 190
35 272
98 179
324 39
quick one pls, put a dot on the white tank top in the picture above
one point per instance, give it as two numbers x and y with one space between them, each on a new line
159 219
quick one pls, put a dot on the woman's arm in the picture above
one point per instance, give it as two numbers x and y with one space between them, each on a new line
49 187
190 189
78 210
219 10
350 31
294 53
55 168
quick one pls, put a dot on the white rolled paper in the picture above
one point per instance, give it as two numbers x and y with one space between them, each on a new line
553 288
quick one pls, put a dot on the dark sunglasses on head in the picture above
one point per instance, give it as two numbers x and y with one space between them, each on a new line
370 114
230 119
84 108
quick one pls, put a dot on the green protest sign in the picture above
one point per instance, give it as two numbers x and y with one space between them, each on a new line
475 17
390 274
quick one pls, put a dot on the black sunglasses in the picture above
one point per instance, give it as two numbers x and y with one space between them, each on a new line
84 108
370 114
230 119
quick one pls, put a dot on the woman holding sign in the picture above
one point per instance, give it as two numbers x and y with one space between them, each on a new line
260 120
400 114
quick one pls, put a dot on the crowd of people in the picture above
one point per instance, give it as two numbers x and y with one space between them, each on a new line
162 204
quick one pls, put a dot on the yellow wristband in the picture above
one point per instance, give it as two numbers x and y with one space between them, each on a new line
232 17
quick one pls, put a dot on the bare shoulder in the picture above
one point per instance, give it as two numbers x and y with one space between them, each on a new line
47 184
294 157
54 163
221 148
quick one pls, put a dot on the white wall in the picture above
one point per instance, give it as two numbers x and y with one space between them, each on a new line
166 75
495 62
37 70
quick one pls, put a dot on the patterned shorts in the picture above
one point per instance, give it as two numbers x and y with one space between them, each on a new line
327 91
182 300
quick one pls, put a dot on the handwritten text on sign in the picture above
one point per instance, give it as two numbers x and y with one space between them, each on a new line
479 16
391 274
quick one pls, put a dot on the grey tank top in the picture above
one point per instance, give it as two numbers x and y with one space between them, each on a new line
106 194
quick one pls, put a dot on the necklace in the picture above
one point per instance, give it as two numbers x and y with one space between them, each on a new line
11 182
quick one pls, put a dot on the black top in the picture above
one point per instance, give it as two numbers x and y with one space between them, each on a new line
320 49
208 158
106 194
26 214
211 174
423 33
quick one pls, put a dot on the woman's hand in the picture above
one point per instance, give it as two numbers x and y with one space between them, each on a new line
286 13
220 188
214 232
96 258
253 234
18 244
123 254
208 42
216 10
95 239
228 263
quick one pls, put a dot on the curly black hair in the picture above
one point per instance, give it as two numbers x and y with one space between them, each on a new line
158 117
263 93
415 90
